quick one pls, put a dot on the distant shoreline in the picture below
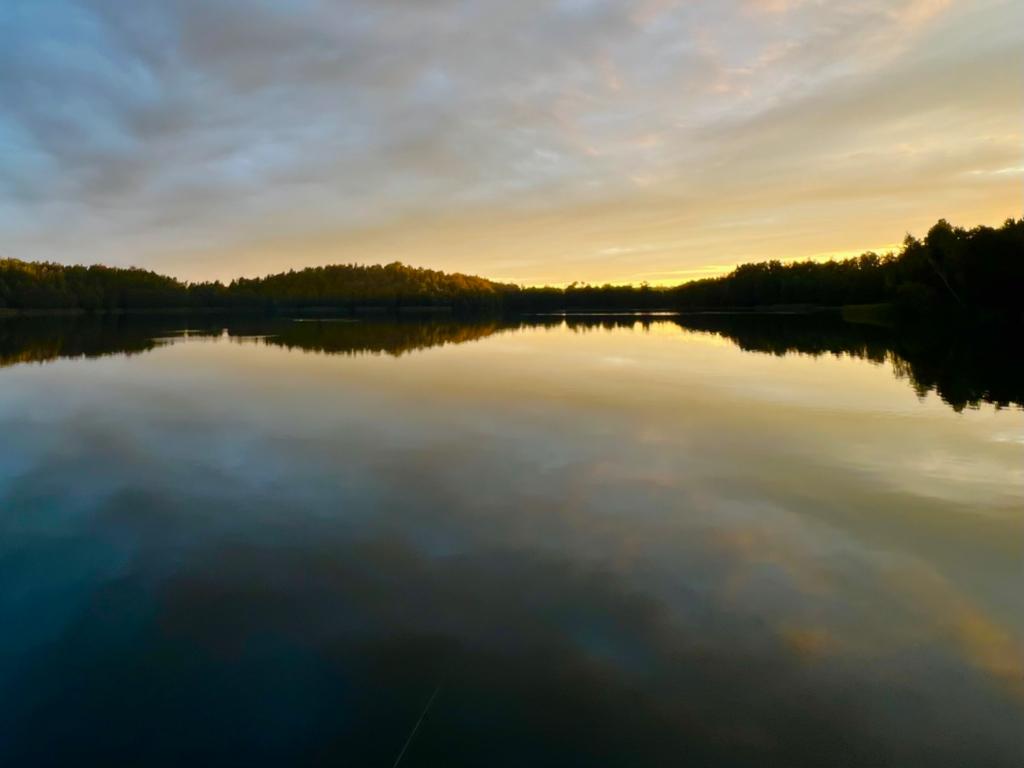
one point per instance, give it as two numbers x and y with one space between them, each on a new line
10 312
971 276
851 312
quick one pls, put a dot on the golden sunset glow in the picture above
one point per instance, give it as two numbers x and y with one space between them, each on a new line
530 142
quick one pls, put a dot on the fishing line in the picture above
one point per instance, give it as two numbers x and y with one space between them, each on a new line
412 733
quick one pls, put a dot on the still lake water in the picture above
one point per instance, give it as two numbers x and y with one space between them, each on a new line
723 542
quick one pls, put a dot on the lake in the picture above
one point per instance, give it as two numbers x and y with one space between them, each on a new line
715 540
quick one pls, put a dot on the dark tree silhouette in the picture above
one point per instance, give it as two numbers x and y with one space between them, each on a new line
978 272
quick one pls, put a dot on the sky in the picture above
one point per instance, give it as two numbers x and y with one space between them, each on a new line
534 141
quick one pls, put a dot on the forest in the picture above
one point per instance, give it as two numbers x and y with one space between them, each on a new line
952 270
49 286
978 271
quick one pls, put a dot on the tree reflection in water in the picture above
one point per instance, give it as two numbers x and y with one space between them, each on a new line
964 366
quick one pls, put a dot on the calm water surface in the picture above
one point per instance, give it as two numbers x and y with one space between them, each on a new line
584 543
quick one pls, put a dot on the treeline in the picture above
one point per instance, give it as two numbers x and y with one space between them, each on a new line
978 271
49 286
351 287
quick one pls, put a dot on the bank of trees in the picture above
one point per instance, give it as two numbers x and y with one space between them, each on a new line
48 286
979 271
352 286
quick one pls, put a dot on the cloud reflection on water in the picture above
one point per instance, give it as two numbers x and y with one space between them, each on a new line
234 551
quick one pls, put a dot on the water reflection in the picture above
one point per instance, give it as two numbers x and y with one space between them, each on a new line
964 368
601 541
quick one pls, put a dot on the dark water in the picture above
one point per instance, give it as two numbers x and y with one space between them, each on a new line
703 541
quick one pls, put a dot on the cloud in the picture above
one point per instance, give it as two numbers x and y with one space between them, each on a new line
192 135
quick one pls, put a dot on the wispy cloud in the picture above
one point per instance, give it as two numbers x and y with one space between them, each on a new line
220 136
